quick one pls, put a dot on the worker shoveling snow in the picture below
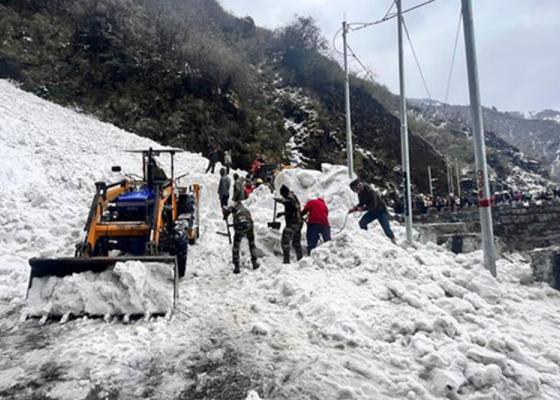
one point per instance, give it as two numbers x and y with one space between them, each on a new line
361 318
130 288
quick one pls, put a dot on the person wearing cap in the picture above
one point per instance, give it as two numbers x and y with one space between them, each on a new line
374 207
243 227
317 222
294 222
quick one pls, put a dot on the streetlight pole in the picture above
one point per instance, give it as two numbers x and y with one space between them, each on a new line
404 131
478 140
349 147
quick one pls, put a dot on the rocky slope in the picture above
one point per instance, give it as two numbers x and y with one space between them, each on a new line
529 141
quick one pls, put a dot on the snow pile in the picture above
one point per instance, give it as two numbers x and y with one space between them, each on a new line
360 318
129 288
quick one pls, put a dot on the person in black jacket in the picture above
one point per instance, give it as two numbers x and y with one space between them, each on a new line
373 205
212 156
294 222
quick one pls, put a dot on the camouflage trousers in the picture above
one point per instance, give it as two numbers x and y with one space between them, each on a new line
292 235
241 231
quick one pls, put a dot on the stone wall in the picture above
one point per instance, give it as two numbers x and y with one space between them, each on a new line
520 228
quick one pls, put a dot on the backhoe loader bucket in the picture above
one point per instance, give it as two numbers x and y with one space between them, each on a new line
102 286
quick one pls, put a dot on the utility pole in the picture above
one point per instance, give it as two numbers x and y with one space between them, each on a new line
430 179
404 131
478 140
349 150
448 174
458 171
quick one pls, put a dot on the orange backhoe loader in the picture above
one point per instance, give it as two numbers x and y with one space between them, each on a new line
149 219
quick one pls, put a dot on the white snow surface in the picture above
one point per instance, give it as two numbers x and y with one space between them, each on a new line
359 319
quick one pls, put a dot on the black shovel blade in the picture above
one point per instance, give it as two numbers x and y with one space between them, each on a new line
274 225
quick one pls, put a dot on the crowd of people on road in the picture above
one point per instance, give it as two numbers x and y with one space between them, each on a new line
424 203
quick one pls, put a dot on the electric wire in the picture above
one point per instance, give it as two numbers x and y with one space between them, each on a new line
417 60
453 57
366 69
362 25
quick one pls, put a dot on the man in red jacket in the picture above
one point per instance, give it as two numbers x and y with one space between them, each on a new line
317 223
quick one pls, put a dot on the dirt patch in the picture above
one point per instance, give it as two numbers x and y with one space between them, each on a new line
222 377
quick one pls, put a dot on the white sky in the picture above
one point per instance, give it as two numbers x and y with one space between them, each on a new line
517 45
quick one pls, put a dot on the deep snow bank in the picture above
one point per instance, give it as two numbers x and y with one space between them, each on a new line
359 319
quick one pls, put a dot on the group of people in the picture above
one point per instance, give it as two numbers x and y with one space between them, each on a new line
213 157
315 213
423 203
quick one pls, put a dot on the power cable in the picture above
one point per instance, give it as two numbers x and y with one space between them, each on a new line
366 70
453 57
417 61
362 25
390 8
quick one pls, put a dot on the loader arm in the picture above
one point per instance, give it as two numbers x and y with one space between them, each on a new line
157 223
103 195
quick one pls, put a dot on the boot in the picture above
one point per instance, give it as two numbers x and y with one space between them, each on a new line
299 255
255 265
286 259
236 269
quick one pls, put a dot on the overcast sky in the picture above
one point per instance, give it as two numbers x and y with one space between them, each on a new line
517 45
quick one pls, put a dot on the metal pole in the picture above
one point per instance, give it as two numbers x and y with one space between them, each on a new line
430 178
451 178
404 131
349 150
447 174
478 139
457 170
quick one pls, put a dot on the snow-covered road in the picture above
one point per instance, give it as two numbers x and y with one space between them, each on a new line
360 319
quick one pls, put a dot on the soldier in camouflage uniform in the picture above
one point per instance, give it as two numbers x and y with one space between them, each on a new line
294 222
243 227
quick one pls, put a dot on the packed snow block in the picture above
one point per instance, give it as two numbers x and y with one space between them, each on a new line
483 375
523 375
307 178
446 325
486 286
486 356
447 382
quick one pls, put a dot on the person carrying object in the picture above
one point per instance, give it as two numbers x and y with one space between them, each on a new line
294 222
374 207
223 187
238 188
317 222
243 227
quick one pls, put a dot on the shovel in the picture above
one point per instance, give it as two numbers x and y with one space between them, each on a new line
274 224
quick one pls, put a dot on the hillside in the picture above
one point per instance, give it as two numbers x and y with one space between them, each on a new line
359 319
533 143
181 72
